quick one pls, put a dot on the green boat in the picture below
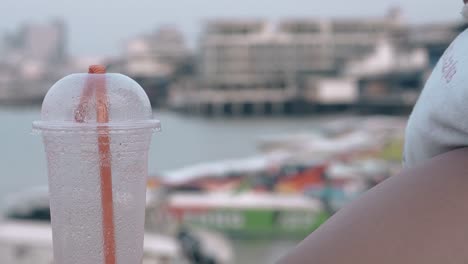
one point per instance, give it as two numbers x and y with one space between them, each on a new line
249 215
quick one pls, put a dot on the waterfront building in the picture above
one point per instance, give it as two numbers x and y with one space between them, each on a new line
293 66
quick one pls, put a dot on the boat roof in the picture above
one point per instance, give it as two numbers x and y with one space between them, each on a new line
356 170
244 201
252 164
26 232
159 244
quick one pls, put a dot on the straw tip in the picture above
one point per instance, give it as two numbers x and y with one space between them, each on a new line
97 69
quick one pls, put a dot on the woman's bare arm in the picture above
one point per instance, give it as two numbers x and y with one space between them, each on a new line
420 216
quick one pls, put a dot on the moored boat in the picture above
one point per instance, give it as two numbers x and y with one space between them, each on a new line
249 215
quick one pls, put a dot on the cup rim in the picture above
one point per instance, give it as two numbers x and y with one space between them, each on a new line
42 126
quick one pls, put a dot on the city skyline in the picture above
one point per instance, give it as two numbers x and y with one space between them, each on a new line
87 20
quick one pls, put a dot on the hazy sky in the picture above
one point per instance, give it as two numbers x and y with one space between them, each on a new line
98 27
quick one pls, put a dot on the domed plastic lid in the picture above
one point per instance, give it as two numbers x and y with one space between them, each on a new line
94 100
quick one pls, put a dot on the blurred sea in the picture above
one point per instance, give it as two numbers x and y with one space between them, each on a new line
184 141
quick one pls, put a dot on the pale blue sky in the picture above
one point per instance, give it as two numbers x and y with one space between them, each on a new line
98 27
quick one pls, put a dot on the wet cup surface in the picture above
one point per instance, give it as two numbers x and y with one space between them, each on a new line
81 151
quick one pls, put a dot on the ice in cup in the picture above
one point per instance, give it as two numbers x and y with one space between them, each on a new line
97 128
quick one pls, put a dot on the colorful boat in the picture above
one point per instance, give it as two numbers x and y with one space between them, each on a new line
249 215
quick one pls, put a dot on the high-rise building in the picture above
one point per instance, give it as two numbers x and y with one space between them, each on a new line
155 54
32 58
44 42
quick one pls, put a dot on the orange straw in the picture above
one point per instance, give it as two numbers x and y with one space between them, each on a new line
81 111
104 157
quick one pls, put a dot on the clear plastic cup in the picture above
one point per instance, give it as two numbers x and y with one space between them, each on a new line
91 224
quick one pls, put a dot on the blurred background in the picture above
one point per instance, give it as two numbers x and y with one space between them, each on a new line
275 113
